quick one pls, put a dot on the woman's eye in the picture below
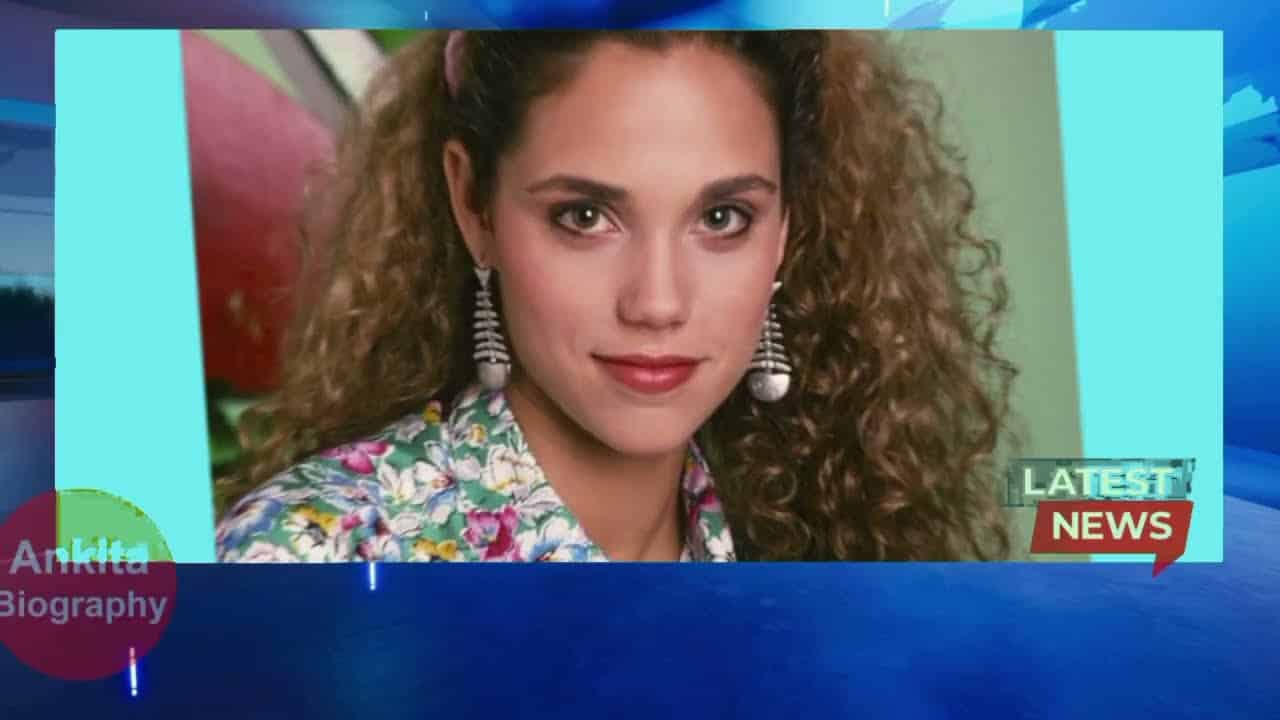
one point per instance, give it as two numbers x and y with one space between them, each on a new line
584 219
726 220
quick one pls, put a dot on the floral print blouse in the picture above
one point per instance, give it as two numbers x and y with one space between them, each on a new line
434 488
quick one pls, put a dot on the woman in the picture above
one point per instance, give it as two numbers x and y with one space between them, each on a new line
554 274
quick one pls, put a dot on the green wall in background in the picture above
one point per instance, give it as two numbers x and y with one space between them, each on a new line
999 91
392 40
1000 99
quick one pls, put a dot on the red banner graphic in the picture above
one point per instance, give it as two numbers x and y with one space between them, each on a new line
1114 526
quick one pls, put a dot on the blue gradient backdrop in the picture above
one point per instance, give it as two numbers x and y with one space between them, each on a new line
908 640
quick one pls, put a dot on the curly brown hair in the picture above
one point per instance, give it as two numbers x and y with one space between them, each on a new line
884 447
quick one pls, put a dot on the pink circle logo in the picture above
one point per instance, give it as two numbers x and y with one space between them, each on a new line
88 584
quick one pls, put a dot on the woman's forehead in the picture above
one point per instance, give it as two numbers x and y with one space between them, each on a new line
631 110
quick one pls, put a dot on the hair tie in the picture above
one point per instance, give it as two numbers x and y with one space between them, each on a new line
452 61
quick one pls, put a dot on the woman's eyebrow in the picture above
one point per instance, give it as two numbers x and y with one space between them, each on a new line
730 186
596 190
584 186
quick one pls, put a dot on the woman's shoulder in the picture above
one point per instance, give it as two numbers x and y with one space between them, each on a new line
351 502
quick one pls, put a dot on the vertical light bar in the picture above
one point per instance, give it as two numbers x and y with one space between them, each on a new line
133 673
373 576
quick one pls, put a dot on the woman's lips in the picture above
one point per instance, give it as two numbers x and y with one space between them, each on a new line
650 374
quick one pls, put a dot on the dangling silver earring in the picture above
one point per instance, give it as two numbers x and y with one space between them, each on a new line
770 376
492 360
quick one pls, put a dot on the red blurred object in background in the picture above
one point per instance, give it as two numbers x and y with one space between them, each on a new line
252 148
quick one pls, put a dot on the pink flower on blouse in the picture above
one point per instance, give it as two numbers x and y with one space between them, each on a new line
698 485
494 532
707 501
357 457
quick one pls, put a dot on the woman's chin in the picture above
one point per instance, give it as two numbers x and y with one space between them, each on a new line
640 439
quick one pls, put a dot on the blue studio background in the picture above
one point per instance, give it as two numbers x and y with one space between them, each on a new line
920 640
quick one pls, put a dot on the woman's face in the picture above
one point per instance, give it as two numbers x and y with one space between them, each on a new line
637 228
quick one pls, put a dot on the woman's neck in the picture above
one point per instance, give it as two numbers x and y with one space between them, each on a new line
629 506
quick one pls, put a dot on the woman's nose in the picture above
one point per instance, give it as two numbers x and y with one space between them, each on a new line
653 294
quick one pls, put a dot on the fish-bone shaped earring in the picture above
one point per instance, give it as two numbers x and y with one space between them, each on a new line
493 363
770 375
